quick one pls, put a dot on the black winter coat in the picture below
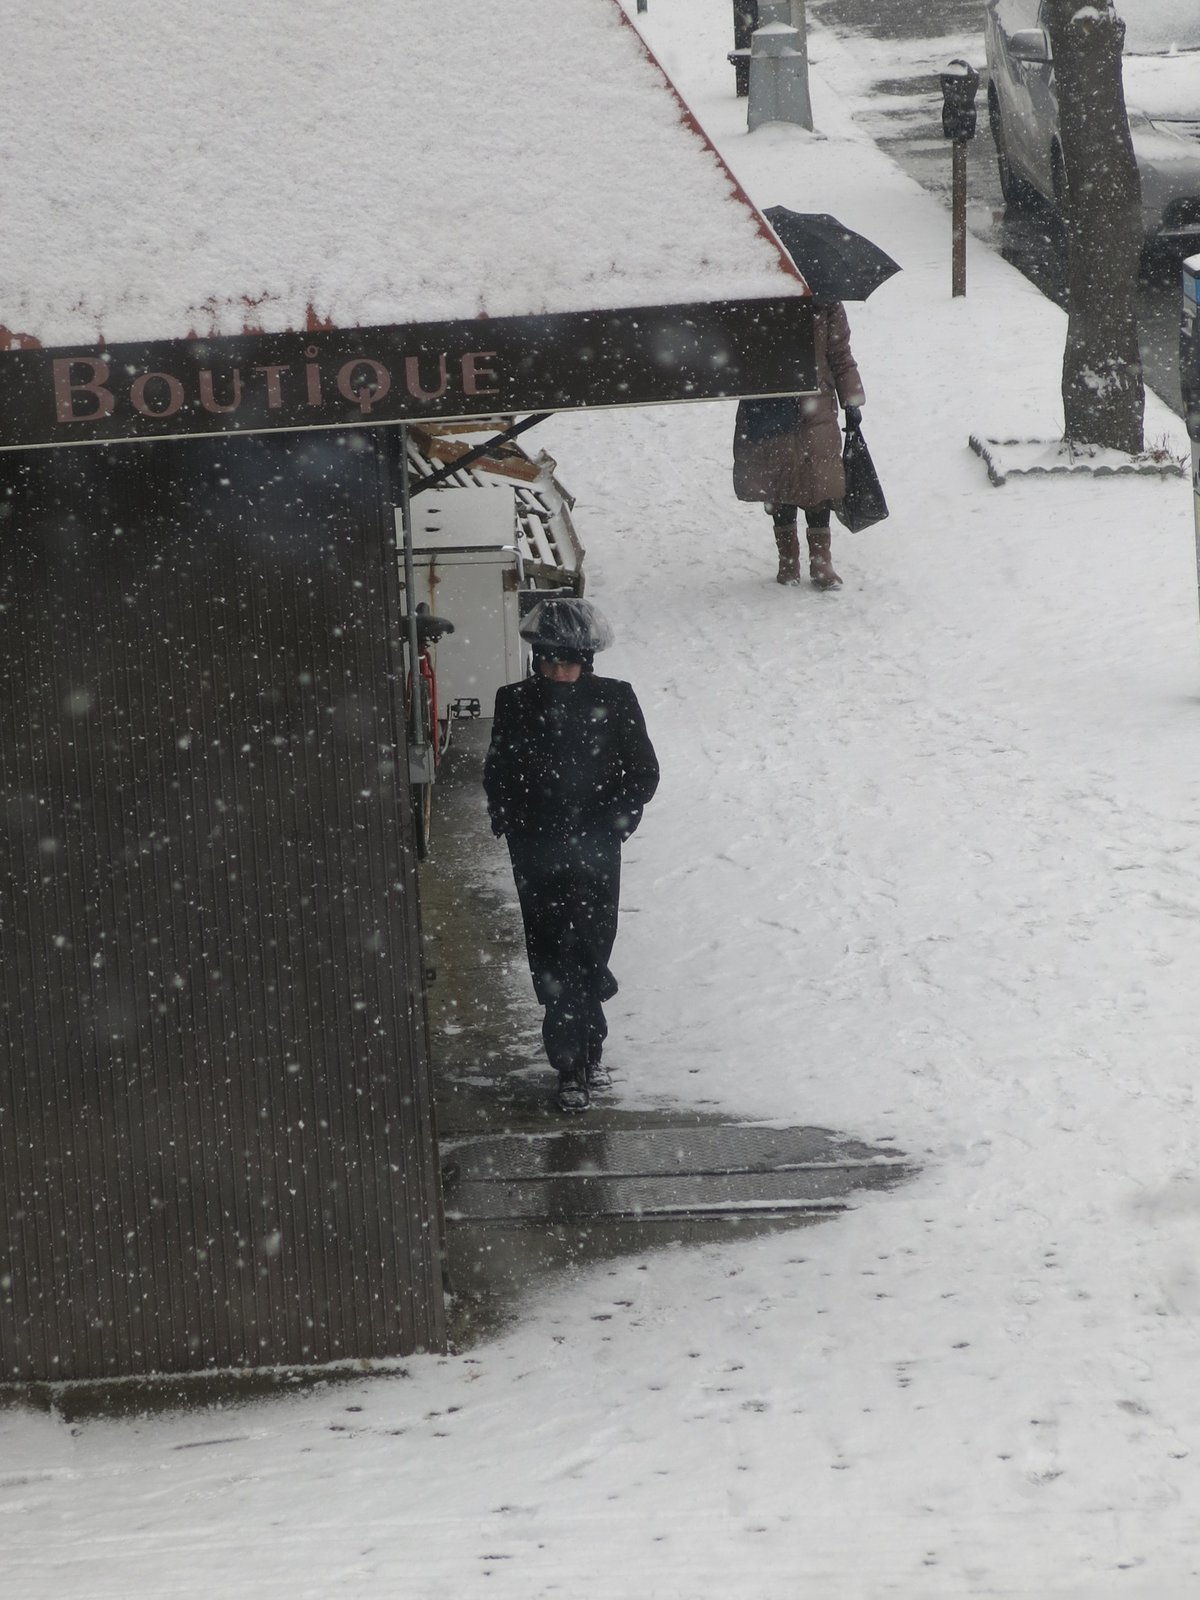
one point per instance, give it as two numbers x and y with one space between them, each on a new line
568 759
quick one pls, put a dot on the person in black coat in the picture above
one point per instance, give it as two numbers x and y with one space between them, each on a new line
568 771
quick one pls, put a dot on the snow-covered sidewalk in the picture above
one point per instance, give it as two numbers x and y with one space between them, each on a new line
924 867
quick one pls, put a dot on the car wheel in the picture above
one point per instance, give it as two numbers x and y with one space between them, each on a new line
1018 194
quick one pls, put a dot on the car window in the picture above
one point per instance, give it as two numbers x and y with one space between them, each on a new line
1014 14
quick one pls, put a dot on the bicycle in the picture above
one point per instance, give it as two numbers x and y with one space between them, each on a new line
429 724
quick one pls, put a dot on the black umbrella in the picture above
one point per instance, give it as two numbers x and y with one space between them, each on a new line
837 263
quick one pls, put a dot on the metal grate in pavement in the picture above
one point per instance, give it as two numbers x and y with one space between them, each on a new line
660 1172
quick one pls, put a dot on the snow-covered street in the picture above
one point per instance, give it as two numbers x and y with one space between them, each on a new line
924 867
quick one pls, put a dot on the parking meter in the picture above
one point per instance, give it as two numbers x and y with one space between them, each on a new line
745 21
1189 376
960 84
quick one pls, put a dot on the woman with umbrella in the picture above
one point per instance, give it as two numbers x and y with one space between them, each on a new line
787 452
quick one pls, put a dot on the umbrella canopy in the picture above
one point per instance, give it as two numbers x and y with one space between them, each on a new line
838 263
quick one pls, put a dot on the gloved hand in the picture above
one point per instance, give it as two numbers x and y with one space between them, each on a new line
853 416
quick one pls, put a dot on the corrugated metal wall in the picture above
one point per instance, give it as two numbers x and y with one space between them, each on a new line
216 1141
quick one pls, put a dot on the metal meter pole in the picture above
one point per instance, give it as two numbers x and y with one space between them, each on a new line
958 274
960 83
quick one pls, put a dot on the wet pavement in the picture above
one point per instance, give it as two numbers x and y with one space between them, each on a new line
530 1194
907 122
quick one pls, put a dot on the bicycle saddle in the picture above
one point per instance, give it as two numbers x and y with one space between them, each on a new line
429 628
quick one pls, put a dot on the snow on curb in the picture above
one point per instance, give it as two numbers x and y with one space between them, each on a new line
1007 458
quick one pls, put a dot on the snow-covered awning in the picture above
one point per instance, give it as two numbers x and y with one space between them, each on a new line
298 169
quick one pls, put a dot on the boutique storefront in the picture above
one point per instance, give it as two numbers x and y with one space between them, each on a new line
217 1146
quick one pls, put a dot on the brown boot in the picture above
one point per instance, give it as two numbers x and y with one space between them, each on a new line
787 542
820 560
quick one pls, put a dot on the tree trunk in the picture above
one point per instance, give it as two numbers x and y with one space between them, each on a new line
1103 392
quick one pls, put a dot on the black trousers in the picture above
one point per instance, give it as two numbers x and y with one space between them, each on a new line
569 891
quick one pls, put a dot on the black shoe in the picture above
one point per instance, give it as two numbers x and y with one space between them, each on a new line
572 1092
598 1075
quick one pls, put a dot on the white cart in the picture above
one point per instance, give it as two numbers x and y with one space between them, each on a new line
468 568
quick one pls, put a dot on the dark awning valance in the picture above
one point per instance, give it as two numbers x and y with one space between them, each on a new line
336 378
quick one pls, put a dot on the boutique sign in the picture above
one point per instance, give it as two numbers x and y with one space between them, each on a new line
349 378
90 388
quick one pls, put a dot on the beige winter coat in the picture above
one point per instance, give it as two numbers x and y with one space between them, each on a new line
802 466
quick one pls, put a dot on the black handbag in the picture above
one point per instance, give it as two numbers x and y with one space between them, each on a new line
863 504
